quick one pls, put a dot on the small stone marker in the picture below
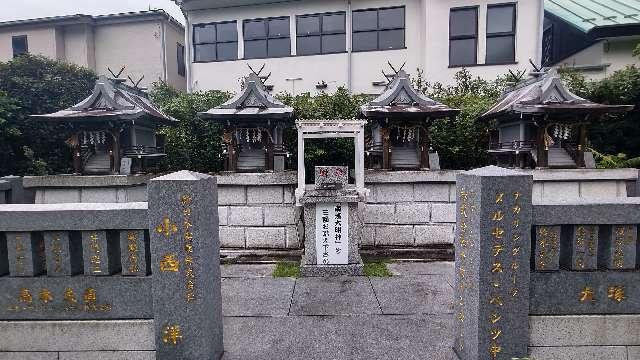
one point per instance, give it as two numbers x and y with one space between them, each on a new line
332 233
185 257
618 247
125 166
331 177
582 245
493 247
64 253
135 252
100 252
547 245
26 253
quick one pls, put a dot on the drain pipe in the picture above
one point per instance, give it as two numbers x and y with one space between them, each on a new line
350 40
188 46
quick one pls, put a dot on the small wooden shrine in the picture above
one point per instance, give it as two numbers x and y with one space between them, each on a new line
541 124
400 121
254 124
116 121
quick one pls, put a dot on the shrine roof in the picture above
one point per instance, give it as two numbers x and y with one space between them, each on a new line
400 99
254 102
545 93
111 100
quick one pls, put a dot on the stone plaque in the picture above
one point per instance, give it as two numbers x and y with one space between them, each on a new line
592 292
581 245
332 233
493 247
618 247
64 253
185 258
331 177
135 252
75 298
26 253
100 252
547 245
125 166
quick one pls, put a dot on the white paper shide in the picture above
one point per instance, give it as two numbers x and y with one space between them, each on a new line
332 233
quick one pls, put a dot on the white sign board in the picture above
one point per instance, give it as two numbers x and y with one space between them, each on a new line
332 233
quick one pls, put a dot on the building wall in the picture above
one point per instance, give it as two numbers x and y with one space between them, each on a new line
426 40
142 54
607 56
79 45
173 37
40 41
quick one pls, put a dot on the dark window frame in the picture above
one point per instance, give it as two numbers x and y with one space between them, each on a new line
378 30
267 37
321 32
216 42
26 45
181 58
464 37
504 33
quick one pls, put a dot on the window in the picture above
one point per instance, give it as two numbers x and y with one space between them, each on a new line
265 38
501 34
321 33
215 42
19 44
378 29
180 54
463 36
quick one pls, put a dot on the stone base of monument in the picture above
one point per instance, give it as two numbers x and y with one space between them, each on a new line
333 231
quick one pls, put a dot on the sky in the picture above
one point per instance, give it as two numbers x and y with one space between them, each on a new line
29 9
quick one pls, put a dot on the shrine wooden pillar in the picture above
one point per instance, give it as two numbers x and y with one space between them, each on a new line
269 155
582 143
77 154
115 133
228 139
541 147
425 144
386 147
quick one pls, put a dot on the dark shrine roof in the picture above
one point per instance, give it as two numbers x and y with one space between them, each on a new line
545 93
400 100
114 101
254 102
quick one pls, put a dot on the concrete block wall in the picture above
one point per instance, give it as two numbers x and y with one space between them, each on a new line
258 214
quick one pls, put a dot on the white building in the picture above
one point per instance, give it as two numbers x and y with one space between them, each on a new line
149 43
306 44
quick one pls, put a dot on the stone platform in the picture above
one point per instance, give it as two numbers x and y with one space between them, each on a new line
407 316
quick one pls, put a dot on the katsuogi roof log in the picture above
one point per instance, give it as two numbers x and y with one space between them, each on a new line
545 93
401 100
112 101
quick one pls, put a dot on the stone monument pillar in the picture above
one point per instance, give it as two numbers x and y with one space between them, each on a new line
333 225
493 246
185 258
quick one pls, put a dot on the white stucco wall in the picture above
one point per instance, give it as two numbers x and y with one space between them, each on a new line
40 41
174 36
134 44
79 45
607 56
426 41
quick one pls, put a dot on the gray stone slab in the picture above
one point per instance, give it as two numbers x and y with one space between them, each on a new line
247 270
592 330
580 243
332 270
26 253
334 296
185 253
410 176
74 181
135 252
571 293
101 252
579 352
426 294
422 268
270 178
493 246
618 247
256 297
76 216
547 248
108 355
331 177
63 253
584 211
362 337
29 356
78 297
97 335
